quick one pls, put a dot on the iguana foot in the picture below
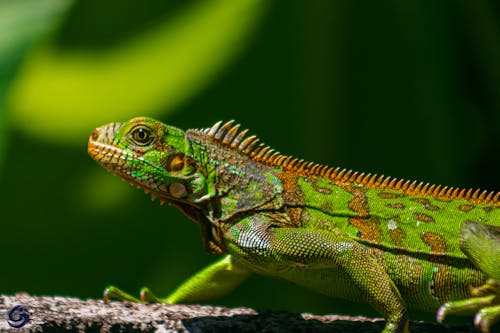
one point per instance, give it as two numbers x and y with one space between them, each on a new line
486 305
112 292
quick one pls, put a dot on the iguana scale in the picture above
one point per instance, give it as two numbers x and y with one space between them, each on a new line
397 245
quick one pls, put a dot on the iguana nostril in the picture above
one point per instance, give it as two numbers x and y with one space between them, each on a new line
95 134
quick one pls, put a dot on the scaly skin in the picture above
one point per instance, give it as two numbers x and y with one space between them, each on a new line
396 245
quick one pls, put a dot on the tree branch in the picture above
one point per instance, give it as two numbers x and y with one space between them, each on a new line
67 314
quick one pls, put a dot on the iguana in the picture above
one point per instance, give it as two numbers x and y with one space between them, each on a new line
397 245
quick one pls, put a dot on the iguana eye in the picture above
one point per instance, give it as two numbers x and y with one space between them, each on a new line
142 136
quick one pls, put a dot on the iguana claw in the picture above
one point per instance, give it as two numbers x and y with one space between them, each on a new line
112 292
487 317
147 296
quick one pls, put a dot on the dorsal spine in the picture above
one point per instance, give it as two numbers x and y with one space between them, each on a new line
227 135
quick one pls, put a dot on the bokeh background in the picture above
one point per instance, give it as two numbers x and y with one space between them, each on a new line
409 89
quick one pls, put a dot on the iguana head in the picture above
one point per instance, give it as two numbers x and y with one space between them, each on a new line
150 155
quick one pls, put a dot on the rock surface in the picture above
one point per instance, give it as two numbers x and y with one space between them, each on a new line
68 314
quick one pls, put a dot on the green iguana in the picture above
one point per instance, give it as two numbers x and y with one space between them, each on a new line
396 245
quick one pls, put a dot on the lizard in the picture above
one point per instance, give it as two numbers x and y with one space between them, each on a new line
400 246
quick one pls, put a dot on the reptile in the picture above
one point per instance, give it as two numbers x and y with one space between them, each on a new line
400 246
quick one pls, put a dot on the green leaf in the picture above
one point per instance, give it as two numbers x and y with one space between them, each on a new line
21 23
62 95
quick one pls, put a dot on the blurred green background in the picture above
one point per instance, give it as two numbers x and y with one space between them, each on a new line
408 89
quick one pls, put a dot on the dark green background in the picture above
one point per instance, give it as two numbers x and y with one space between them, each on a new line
408 89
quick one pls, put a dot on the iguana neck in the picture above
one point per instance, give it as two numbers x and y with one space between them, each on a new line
241 183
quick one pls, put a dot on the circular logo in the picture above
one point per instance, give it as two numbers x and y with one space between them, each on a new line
18 316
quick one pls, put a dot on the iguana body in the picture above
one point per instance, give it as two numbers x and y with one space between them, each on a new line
397 245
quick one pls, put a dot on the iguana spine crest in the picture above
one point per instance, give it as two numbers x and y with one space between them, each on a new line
228 135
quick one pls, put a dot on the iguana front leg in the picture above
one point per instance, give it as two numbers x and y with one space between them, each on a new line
481 244
212 282
285 252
